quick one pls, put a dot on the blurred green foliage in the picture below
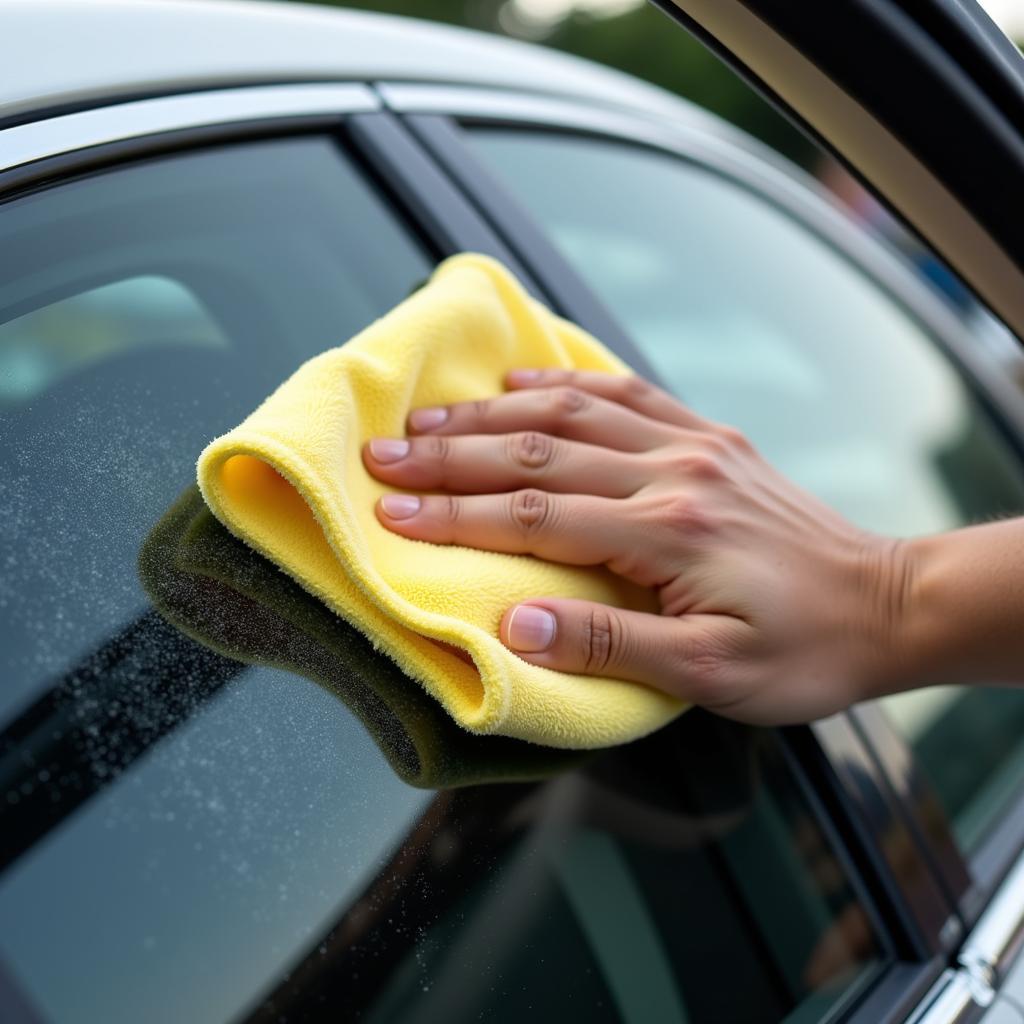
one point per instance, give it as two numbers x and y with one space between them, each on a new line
640 41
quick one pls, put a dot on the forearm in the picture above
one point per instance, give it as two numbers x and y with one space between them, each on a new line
963 608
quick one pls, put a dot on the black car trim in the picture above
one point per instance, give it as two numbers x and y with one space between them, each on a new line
428 196
569 295
925 73
928 820
909 899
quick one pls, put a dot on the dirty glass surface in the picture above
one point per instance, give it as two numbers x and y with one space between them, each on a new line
223 812
218 803
758 322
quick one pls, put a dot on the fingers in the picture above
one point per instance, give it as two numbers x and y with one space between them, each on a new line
561 411
577 529
689 657
633 392
488 463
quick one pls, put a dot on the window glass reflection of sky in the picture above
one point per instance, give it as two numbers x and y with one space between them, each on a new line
203 873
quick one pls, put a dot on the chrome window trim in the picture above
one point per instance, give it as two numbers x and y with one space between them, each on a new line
954 999
998 937
67 133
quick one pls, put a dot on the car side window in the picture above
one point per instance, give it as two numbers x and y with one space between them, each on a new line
221 810
683 878
756 321
240 829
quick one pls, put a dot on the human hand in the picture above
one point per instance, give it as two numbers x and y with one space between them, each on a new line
774 609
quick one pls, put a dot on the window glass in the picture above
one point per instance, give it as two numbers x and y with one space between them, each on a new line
680 879
208 816
142 312
51 343
759 323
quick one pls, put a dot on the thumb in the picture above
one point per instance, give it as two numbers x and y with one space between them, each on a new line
684 656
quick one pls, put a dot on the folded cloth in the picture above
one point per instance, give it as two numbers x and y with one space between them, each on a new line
290 481
230 599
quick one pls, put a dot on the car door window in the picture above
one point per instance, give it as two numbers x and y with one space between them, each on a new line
683 878
240 842
143 311
758 322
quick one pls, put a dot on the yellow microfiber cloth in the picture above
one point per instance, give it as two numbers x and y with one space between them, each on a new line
290 481
232 600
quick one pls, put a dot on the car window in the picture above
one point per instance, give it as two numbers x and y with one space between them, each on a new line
224 812
682 878
758 322
223 804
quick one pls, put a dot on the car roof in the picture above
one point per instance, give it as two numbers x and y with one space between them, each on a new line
69 53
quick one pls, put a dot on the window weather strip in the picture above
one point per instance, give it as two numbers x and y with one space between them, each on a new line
25 144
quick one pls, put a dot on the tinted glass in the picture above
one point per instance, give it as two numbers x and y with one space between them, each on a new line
681 879
269 821
758 322
142 312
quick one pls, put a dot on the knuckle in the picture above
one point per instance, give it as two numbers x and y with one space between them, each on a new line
531 449
601 640
637 388
567 400
734 439
451 508
713 443
438 448
702 465
481 408
682 514
530 511
704 663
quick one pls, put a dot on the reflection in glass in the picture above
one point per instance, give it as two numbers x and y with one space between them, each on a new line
232 600
55 341
680 878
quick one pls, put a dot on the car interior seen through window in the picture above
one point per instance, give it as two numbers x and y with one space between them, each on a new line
756 321
248 804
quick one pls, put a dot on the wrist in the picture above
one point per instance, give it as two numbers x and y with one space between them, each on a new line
893 637
929 638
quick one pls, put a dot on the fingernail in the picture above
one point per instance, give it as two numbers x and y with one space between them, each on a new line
530 629
427 419
400 506
524 376
386 449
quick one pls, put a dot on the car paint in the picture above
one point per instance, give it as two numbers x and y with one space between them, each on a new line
124 48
